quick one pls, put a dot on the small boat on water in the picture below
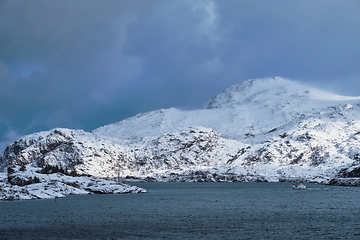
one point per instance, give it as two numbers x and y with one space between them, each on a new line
298 186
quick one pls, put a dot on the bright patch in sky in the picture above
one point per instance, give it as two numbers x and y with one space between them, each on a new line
24 70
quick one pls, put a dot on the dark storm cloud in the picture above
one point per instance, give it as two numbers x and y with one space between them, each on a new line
302 39
83 64
57 58
176 45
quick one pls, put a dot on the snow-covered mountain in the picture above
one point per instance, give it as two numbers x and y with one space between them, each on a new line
270 129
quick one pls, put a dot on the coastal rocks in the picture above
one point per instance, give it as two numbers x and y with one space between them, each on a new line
210 176
347 177
350 182
30 184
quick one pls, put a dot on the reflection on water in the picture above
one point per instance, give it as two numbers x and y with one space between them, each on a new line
191 211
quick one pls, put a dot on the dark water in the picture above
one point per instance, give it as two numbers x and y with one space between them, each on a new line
191 211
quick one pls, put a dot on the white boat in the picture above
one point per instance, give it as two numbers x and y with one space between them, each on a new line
299 186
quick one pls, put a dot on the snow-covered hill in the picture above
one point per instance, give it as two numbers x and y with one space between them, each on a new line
270 129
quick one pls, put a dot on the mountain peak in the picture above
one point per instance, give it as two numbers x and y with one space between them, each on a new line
270 89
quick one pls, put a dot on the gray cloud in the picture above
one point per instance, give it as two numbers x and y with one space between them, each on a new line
296 39
83 64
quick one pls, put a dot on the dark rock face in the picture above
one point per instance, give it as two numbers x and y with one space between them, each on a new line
38 148
352 174
200 176
350 182
22 181
10 153
347 178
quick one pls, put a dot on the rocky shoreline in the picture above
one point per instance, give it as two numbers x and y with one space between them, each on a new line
349 182
30 184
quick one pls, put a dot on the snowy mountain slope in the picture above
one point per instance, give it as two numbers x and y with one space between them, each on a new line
89 154
287 125
71 149
249 108
270 129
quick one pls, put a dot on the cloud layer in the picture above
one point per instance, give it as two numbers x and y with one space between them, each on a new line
84 64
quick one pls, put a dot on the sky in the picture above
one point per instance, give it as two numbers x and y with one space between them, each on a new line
87 63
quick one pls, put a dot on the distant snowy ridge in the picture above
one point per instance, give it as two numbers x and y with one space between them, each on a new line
258 130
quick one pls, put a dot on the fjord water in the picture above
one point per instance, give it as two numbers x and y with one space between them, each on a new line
191 211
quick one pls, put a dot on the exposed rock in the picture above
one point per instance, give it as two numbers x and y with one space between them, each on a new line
350 182
30 184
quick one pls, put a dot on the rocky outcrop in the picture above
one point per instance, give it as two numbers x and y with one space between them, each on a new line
31 184
349 182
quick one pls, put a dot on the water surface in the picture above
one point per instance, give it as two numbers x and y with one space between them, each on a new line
191 211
